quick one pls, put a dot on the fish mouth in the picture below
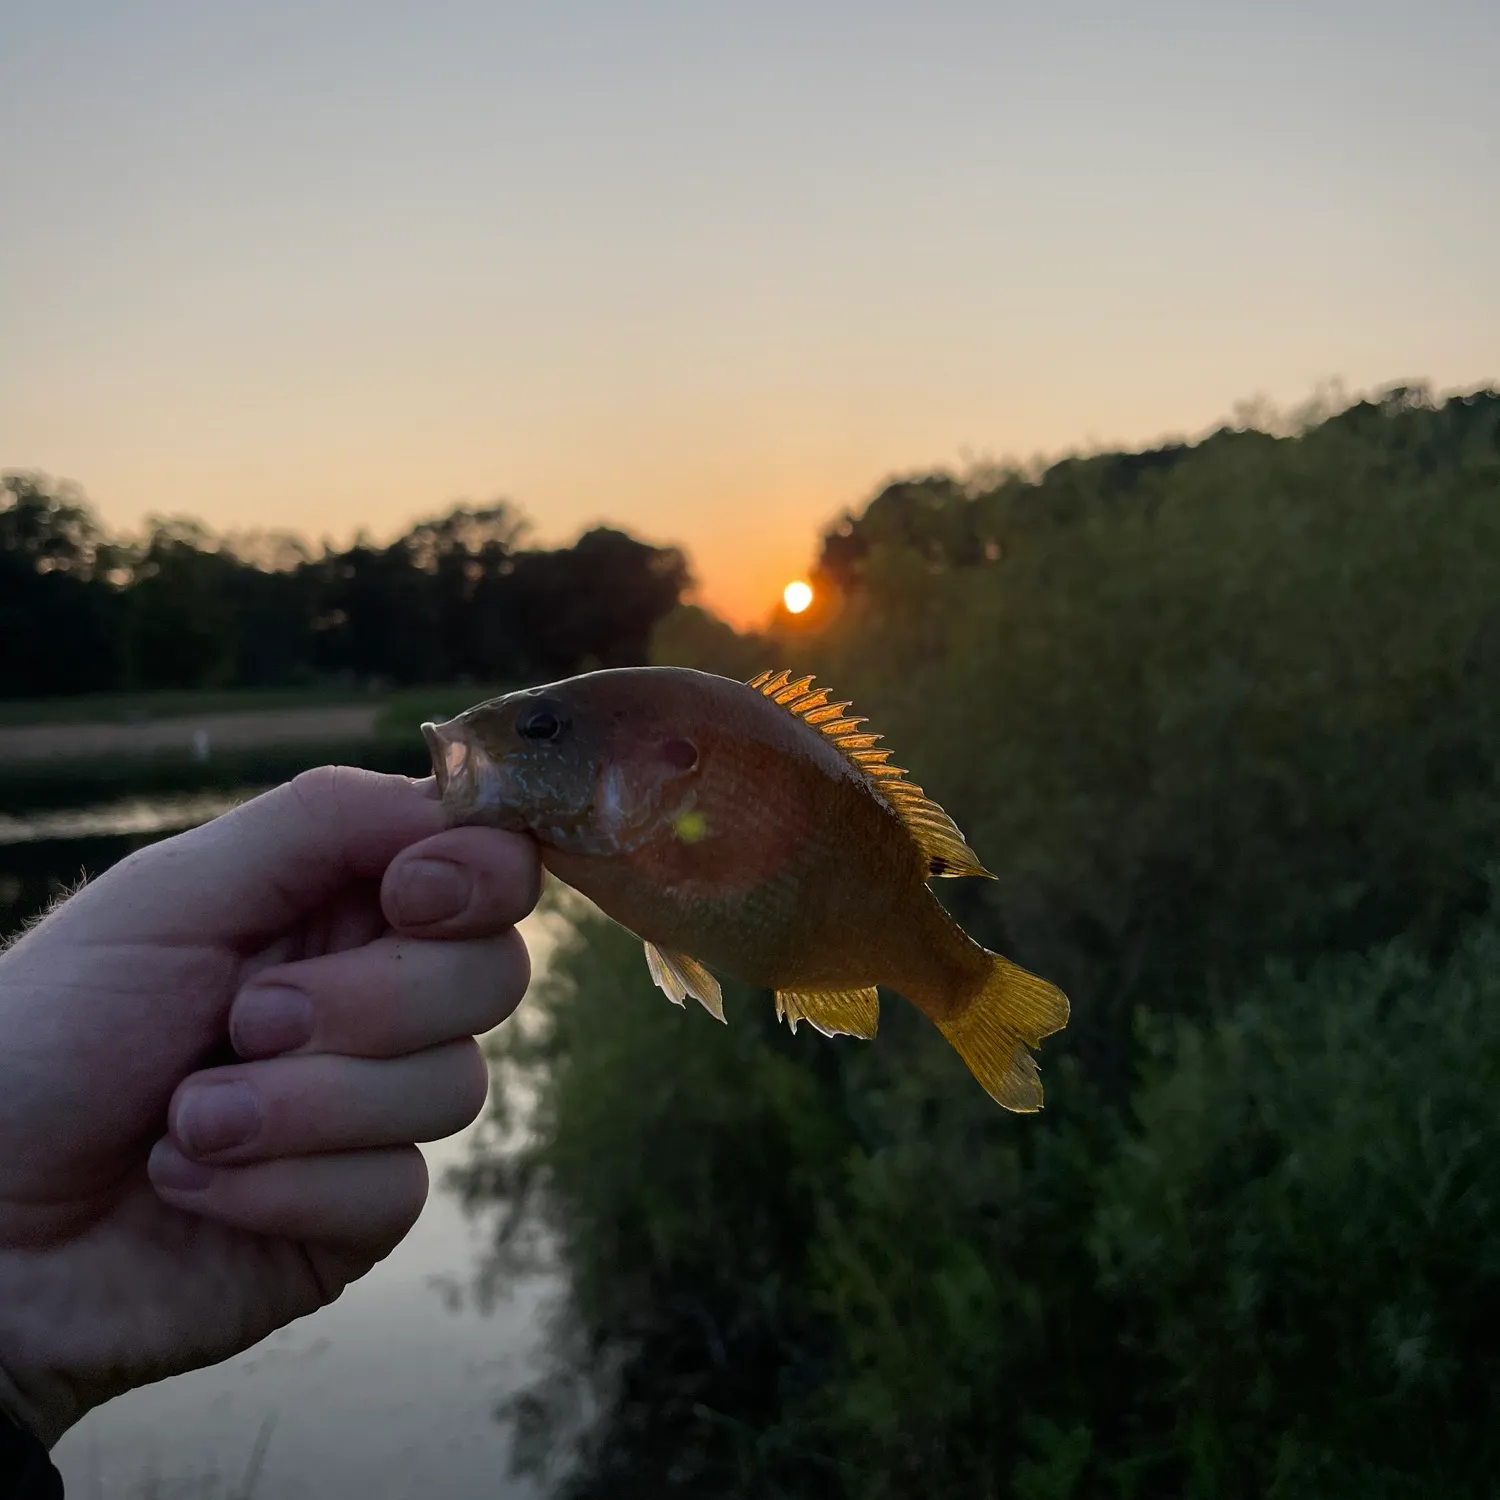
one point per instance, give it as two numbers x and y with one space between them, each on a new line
471 785
448 755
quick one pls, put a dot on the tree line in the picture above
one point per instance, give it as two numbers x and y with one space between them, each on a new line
457 597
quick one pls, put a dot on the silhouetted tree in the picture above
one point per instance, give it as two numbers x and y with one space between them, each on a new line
59 611
180 622
469 554
595 603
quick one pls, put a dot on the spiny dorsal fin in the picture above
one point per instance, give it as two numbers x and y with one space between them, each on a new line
936 834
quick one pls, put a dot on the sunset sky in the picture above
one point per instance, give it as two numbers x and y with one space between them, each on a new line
712 271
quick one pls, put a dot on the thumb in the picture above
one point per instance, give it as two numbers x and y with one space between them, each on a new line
248 874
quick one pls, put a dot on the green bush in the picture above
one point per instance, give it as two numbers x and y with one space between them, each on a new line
1223 720
801 1267
1302 1236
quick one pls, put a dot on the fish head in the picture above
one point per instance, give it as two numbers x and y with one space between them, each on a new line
590 765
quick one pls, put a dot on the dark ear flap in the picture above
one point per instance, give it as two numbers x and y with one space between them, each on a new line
680 755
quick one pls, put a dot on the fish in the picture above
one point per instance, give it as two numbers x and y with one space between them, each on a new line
754 830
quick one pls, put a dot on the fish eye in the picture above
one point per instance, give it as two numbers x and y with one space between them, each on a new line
540 724
681 755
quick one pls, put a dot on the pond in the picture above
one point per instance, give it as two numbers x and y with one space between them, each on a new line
389 1392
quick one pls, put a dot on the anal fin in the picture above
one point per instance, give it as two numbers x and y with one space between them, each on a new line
680 976
833 1012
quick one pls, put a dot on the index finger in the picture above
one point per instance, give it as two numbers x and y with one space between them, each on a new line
462 883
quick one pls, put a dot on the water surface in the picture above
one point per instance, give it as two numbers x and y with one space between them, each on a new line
127 817
388 1393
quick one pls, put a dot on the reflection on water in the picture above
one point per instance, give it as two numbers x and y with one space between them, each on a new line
389 1392
134 815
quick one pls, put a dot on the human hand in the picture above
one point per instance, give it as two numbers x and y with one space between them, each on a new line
162 1206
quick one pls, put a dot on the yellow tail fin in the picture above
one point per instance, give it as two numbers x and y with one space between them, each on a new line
1013 1011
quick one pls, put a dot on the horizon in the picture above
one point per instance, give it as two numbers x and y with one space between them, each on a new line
1326 399
712 278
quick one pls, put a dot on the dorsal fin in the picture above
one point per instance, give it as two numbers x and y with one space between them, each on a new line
935 833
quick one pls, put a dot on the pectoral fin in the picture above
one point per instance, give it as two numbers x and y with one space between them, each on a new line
833 1012
680 976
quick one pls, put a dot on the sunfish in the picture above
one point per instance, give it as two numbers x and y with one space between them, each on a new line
753 829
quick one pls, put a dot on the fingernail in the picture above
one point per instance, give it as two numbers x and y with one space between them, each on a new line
269 1019
214 1117
169 1168
430 890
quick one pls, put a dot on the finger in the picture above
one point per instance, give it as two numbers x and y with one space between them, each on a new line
363 1199
466 882
314 1104
246 875
350 919
391 997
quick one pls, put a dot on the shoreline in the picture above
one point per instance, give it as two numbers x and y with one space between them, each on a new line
249 729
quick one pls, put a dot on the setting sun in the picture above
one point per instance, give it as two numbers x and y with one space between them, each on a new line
797 596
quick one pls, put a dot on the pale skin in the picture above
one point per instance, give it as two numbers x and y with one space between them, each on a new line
147 1021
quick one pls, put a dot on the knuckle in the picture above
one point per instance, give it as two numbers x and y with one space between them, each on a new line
518 960
408 981
316 793
510 960
491 976
362 1001
316 788
373 1024
508 862
473 1084
315 780
408 1185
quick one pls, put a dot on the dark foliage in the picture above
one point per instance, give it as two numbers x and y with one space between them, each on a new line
1225 720
59 621
456 598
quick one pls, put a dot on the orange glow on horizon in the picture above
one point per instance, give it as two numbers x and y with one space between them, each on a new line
797 596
